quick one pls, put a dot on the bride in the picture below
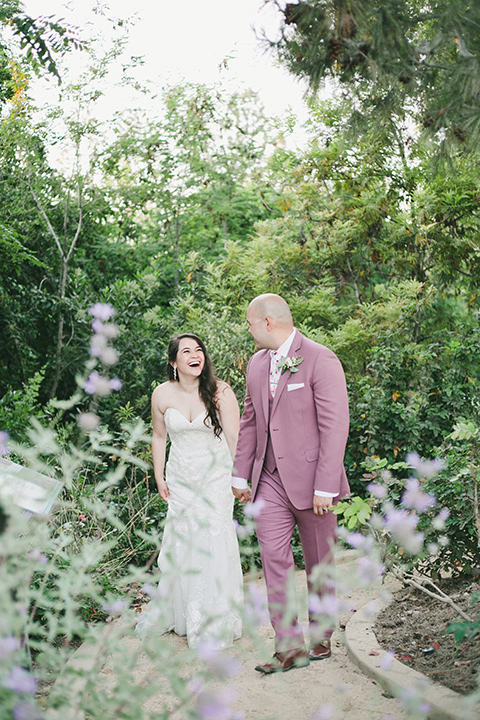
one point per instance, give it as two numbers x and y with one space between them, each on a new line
200 589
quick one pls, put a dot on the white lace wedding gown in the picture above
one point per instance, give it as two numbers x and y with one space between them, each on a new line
200 592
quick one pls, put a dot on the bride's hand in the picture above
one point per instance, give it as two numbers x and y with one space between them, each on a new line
163 490
244 495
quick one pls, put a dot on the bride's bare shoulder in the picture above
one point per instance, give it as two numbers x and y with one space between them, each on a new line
162 394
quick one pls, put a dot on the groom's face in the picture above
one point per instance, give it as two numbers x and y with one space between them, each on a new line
257 327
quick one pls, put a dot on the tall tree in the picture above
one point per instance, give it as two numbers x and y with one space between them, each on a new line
396 56
185 178
43 40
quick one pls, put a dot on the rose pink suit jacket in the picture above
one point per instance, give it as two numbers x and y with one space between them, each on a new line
309 423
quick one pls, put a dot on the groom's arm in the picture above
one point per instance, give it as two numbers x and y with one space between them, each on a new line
331 403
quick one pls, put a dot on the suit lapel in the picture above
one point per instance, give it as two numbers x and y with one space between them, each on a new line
294 350
265 386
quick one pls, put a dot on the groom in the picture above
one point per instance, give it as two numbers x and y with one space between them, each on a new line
291 446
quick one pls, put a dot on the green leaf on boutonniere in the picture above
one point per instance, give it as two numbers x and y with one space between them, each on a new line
290 363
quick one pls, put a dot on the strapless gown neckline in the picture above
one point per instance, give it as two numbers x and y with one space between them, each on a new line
190 422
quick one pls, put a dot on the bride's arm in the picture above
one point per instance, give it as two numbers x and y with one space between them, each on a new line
229 415
159 444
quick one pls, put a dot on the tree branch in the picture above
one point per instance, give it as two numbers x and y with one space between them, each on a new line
438 594
47 220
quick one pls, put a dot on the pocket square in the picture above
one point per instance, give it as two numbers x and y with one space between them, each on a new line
295 386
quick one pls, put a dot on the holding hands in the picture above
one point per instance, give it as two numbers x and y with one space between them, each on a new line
321 505
243 495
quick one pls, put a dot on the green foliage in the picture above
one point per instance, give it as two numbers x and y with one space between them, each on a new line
396 57
353 512
44 38
411 394
17 407
466 630
458 489
451 544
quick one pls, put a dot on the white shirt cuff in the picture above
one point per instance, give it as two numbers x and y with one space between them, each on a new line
239 483
321 493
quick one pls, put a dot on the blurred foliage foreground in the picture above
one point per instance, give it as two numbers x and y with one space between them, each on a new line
92 561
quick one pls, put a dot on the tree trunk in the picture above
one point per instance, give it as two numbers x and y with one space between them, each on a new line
65 259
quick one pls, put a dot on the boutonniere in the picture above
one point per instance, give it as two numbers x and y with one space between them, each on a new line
290 363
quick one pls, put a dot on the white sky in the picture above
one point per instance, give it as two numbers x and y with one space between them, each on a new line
188 40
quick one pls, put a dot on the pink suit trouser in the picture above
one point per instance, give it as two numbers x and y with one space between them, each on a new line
275 525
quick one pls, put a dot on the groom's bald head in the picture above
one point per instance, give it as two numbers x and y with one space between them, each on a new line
270 320
274 307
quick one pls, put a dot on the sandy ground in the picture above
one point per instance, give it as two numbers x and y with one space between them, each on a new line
332 689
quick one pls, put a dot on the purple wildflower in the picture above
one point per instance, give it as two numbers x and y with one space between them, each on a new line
88 421
378 491
107 330
220 664
242 530
314 604
439 522
254 509
8 645
4 438
115 383
400 521
215 705
369 570
37 556
155 592
115 607
97 326
387 660
25 710
109 356
328 605
414 497
256 606
425 468
102 311
360 542
402 525
98 344
355 539
20 681
325 713
97 384
111 331
99 348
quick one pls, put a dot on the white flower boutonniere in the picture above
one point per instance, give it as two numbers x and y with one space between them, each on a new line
290 363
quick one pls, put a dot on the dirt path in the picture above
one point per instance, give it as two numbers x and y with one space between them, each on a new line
333 689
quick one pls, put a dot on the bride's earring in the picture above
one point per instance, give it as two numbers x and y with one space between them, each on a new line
175 373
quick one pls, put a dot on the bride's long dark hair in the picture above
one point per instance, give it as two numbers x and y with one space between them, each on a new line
207 380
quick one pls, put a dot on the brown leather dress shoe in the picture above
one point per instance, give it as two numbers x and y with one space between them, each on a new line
281 662
320 651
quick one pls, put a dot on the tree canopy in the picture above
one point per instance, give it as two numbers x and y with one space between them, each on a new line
42 40
396 57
